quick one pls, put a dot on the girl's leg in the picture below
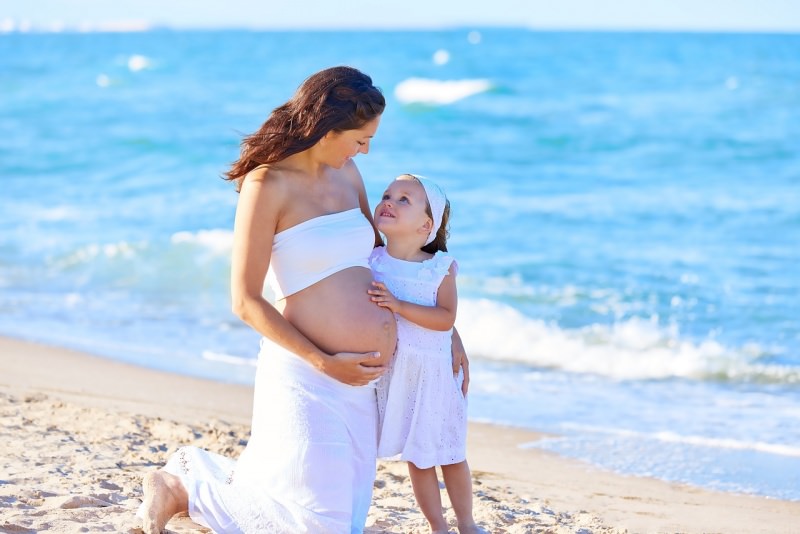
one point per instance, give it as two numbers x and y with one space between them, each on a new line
426 491
458 480
164 496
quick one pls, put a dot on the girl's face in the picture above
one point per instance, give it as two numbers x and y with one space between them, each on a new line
340 147
403 210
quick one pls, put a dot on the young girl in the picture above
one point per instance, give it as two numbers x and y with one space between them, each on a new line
421 406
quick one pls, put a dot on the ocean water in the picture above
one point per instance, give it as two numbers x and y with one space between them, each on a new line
626 215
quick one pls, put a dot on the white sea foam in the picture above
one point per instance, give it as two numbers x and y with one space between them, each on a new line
217 241
152 263
71 300
629 349
441 57
93 251
138 62
56 214
228 358
438 92
780 449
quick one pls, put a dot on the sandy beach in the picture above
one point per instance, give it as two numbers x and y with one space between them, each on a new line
78 433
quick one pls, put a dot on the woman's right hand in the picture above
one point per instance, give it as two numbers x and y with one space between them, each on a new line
353 367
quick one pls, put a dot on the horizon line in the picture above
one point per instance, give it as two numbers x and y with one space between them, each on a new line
9 26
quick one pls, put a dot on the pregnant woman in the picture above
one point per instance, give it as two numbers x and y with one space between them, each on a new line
303 224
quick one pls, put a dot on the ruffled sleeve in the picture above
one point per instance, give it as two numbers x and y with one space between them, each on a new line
438 266
377 260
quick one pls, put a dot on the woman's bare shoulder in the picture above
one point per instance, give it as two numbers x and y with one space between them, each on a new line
265 174
351 173
265 195
267 179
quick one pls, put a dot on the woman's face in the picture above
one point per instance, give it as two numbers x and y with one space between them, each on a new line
340 147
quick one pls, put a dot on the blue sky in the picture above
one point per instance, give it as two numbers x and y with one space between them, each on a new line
726 15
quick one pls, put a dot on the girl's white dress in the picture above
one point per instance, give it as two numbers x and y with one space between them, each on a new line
422 412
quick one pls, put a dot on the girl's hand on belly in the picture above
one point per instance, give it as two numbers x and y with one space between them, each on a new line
353 368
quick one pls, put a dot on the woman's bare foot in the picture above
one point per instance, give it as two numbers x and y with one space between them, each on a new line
162 500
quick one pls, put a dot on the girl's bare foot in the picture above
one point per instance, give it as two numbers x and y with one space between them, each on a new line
160 502
471 528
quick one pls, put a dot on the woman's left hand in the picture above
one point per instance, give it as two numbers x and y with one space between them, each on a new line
460 361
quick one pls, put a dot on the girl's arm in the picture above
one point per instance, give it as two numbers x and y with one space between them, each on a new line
440 317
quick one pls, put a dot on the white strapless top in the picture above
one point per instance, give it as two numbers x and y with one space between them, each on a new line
317 248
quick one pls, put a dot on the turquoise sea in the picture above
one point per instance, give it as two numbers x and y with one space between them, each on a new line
626 215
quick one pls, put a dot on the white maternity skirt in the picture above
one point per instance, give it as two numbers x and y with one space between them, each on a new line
309 465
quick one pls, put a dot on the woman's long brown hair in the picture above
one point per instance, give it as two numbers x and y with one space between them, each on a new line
334 99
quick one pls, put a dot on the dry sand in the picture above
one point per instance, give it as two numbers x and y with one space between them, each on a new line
78 432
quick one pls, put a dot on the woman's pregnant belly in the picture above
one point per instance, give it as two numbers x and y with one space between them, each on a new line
337 315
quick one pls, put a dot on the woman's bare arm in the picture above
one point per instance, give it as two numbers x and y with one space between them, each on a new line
257 215
460 360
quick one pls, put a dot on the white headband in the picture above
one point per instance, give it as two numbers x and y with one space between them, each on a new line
437 201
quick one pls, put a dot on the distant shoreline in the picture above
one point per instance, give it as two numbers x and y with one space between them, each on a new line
9 27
